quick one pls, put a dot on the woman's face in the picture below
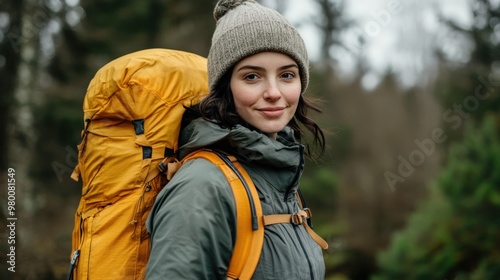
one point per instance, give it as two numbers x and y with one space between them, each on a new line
266 90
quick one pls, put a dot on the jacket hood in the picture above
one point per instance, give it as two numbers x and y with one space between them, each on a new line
247 145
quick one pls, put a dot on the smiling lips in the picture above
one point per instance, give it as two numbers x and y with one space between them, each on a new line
272 112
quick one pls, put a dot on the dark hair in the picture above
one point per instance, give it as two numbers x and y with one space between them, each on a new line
218 107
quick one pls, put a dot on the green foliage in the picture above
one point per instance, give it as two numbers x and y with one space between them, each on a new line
455 234
472 183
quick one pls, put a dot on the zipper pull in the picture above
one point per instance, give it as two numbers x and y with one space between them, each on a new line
72 265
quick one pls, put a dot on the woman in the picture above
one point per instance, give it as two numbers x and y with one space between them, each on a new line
258 72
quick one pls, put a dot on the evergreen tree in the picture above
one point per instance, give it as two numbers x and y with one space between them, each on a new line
455 234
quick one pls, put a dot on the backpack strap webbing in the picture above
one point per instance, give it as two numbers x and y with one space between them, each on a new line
298 218
249 225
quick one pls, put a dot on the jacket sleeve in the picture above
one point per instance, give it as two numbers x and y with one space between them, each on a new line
192 225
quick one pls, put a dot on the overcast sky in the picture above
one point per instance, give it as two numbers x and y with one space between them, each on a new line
399 34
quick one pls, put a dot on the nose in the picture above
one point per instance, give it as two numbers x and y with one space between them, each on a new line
272 91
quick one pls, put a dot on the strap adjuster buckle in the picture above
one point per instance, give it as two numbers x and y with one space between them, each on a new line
301 215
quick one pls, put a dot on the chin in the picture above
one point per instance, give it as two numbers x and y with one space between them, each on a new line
271 131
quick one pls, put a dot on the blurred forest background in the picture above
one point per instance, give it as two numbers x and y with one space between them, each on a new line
410 187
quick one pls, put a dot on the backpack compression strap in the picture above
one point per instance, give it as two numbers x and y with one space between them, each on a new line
298 218
250 228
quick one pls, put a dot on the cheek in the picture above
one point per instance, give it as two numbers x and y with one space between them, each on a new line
293 96
242 97
242 100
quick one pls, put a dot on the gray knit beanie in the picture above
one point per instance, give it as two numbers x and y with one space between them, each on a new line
244 28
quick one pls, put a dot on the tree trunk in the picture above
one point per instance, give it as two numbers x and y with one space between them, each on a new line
8 72
21 133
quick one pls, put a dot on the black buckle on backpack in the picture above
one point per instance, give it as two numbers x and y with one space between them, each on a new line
162 167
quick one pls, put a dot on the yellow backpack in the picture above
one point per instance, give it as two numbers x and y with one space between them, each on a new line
132 117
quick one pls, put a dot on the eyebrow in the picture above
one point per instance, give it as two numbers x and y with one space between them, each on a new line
258 68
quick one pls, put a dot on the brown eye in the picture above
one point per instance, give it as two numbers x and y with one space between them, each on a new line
288 75
251 77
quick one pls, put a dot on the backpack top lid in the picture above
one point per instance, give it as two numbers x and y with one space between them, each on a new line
151 85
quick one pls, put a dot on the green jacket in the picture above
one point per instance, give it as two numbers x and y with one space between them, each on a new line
192 223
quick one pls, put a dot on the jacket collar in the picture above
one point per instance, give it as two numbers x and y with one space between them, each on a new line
247 145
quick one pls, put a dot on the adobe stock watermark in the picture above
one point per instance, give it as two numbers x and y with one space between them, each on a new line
71 159
11 219
379 19
30 27
61 169
455 117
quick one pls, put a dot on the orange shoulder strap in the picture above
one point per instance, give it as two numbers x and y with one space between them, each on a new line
250 228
